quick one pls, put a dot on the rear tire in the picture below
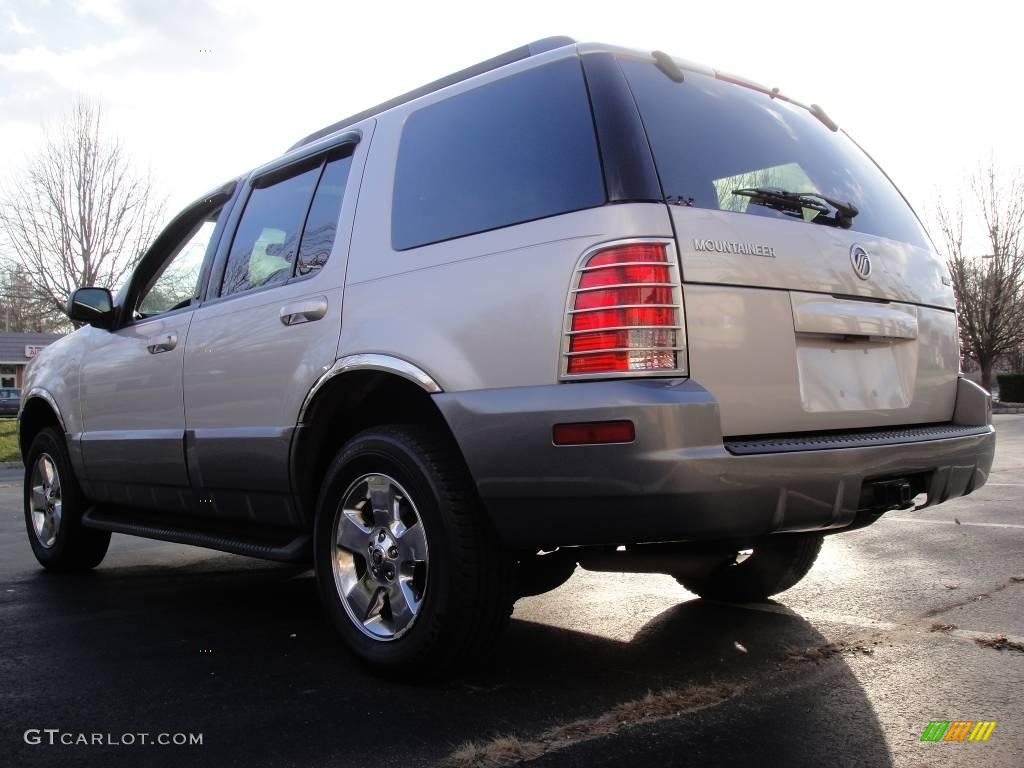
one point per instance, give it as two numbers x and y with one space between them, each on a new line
54 506
776 564
406 566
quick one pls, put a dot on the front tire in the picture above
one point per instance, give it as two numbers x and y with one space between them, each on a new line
54 506
406 565
776 564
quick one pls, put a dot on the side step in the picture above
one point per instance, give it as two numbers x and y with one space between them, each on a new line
285 546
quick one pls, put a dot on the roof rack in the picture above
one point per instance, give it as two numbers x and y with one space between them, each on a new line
516 54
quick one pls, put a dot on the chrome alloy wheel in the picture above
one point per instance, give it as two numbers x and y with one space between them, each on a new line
45 500
379 557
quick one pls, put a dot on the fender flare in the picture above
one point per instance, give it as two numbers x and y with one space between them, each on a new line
370 362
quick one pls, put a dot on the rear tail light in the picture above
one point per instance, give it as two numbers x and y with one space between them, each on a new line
625 315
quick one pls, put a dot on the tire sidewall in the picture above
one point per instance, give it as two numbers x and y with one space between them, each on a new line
381 452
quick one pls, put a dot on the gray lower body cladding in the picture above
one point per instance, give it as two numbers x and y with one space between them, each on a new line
677 481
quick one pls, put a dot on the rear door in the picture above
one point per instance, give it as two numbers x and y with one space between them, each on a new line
795 324
269 329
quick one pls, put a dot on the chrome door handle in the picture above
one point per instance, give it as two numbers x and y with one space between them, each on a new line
163 343
305 311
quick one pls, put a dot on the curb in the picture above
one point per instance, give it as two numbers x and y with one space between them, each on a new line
11 465
1008 409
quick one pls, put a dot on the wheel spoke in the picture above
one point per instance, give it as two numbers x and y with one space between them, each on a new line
48 470
362 598
46 530
381 500
352 534
403 604
413 543
38 498
395 524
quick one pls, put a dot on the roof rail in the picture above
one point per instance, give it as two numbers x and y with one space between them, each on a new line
516 54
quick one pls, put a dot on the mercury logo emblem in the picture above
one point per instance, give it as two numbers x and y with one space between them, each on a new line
861 261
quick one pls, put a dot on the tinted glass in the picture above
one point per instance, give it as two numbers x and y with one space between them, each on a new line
518 149
322 222
178 282
711 137
263 250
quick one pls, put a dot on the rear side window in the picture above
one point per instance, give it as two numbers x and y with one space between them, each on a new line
515 150
322 222
267 237
711 137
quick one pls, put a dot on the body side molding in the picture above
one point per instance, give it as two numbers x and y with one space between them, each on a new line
371 362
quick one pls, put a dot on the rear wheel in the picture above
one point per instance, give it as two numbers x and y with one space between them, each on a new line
775 564
54 506
406 566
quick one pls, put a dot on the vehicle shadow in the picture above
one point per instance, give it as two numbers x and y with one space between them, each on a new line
241 652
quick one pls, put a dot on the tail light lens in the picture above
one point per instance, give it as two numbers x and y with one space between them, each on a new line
625 313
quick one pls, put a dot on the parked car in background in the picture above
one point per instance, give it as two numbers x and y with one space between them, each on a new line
10 401
595 307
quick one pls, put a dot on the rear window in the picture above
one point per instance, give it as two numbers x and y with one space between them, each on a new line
711 137
322 220
515 150
267 236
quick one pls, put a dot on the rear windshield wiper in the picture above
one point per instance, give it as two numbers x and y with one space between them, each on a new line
807 205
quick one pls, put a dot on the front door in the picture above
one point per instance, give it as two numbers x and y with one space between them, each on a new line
131 387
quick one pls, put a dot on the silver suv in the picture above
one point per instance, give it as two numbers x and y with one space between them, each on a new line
576 305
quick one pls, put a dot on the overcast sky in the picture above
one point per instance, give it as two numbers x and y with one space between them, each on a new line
929 89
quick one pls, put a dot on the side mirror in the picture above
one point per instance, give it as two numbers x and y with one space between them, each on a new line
94 306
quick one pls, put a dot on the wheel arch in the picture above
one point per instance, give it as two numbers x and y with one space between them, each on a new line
358 392
39 411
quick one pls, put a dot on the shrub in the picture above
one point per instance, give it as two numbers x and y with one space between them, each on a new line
1011 387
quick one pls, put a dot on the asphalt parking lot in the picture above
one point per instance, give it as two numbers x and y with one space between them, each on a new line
897 625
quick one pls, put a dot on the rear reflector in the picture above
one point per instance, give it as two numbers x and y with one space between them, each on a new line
594 433
625 313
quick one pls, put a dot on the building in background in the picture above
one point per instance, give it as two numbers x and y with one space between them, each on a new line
16 349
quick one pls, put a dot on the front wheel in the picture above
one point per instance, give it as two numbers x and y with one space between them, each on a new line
54 506
775 564
406 566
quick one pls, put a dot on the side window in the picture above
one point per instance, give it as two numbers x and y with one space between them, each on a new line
177 284
514 150
267 237
322 222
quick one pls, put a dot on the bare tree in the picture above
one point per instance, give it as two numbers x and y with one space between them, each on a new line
987 268
80 214
23 308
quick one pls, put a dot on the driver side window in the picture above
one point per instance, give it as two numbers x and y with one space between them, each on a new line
178 282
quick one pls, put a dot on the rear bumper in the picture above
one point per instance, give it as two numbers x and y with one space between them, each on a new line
678 481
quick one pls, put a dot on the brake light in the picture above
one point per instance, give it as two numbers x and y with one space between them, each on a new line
625 313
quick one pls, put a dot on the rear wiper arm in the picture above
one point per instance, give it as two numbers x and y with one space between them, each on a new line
794 203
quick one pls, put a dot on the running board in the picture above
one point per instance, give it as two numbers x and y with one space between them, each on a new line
285 547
